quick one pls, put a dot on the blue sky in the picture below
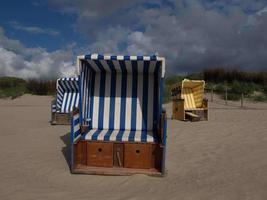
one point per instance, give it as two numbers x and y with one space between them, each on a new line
42 38
28 13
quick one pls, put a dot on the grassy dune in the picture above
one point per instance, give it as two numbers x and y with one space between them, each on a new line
12 87
252 84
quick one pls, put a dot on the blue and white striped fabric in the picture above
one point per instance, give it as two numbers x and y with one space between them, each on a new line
53 108
67 94
120 97
75 128
120 135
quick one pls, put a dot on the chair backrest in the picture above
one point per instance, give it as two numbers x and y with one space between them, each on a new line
189 101
192 91
198 93
121 94
67 94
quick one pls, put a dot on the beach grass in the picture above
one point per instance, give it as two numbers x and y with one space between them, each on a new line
13 87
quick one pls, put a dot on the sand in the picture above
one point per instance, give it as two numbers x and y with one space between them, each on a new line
224 158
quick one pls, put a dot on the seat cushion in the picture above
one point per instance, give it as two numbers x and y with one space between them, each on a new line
120 136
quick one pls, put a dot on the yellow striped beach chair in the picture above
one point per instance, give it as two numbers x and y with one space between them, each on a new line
188 100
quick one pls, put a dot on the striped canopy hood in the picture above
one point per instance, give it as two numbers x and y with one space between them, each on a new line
67 94
121 92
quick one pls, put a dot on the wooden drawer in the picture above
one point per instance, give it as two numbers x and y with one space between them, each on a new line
138 156
100 154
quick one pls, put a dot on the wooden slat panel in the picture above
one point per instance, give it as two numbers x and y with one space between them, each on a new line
80 153
178 110
156 157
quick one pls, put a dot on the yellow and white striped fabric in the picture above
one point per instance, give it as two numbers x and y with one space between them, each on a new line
189 102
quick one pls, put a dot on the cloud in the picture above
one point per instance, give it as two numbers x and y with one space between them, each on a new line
33 29
18 60
262 11
192 34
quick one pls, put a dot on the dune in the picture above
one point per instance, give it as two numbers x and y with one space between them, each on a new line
223 158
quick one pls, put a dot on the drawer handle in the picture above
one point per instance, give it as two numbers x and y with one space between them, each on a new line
137 151
99 149
118 157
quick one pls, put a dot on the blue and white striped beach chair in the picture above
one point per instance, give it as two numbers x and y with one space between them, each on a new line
119 126
67 98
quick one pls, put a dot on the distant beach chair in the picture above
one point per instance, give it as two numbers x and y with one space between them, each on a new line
188 100
119 127
67 98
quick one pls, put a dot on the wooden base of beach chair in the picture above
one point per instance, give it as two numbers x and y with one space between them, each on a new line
61 119
115 171
117 158
197 114
178 111
192 117
202 114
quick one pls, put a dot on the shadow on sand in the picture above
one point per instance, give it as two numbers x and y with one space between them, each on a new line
66 150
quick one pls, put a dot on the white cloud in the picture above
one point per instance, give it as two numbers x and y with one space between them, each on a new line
33 29
138 43
262 11
18 60
191 34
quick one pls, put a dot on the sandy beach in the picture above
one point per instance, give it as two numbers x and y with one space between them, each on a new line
223 159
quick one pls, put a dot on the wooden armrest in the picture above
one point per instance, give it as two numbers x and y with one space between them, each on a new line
75 111
84 128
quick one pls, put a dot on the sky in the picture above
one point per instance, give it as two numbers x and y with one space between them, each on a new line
41 39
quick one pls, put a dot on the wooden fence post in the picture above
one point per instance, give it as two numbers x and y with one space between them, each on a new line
242 100
211 98
226 95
